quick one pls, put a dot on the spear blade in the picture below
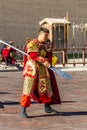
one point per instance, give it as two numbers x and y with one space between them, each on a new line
61 73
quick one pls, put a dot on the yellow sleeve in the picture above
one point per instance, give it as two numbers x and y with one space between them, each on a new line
32 46
54 60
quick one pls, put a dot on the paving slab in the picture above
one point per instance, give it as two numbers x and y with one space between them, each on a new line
72 113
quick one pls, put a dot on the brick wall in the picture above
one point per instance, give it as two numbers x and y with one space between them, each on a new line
19 19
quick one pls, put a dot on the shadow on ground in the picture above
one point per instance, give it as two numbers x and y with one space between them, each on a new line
8 103
78 113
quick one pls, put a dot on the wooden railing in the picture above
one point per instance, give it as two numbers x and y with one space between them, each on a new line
79 60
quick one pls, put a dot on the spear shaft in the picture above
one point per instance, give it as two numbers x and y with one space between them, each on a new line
5 43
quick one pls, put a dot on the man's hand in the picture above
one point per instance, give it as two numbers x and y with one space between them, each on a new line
47 64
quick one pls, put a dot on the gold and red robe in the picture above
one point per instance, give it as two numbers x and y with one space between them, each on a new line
39 81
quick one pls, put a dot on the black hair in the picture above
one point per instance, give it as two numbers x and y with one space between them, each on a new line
45 30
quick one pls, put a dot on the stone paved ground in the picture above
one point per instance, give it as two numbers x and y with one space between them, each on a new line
72 112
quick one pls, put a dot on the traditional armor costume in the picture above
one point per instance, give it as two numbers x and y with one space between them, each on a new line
39 81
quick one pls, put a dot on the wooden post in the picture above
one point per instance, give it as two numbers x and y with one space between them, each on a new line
83 56
63 54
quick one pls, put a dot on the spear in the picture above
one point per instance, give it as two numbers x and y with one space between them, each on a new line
54 69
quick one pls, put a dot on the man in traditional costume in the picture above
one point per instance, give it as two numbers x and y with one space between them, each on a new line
39 81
